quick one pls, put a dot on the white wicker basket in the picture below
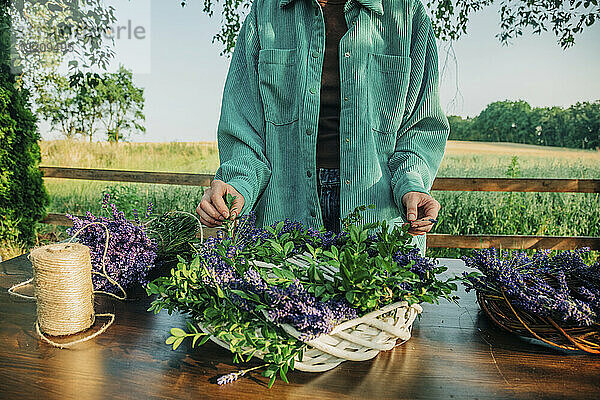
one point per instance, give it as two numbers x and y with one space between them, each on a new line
358 339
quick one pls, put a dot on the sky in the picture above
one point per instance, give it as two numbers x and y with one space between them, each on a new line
183 73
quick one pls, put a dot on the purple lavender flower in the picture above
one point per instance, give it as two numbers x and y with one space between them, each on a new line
539 284
130 254
136 217
105 200
295 306
420 265
291 303
225 379
149 209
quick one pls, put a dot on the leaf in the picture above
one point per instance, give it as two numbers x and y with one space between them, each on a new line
350 297
319 290
177 343
272 381
276 246
288 247
283 376
178 332
170 340
241 293
204 340
191 327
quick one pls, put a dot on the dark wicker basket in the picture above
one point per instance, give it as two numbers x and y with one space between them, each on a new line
514 320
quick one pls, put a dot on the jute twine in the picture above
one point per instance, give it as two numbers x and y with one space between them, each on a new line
62 282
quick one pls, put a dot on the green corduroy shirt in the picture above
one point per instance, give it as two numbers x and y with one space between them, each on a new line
392 128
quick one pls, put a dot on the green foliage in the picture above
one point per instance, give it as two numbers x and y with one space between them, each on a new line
122 105
126 198
71 104
516 121
78 26
77 104
460 128
364 273
22 195
450 18
246 332
505 121
176 234
565 19
231 12
369 277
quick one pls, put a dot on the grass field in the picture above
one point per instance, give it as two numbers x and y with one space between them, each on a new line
462 212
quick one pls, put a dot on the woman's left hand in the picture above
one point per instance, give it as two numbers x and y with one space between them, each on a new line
420 209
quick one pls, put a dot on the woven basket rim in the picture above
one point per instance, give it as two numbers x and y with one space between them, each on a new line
517 321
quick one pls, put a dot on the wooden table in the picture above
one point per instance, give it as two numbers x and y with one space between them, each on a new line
454 353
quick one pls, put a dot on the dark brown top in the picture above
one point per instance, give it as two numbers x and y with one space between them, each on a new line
328 147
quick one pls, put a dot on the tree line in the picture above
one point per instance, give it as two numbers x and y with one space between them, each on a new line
81 104
577 126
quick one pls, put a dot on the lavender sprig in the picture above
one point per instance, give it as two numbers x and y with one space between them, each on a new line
234 376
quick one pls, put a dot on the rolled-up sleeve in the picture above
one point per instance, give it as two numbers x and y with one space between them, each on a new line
241 128
422 136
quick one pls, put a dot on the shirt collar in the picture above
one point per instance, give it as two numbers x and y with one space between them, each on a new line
373 5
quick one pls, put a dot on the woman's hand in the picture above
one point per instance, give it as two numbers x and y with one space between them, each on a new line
420 209
212 208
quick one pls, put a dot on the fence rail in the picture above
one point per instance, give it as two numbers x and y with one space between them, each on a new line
444 184
114 175
433 240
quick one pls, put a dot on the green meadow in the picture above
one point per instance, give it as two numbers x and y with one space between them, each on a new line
462 212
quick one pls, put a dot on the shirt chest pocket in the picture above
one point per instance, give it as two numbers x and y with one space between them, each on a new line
388 78
278 85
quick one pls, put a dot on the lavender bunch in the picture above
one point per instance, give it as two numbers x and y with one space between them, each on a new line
562 287
295 306
130 255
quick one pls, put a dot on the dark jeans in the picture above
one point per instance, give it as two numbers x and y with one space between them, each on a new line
328 186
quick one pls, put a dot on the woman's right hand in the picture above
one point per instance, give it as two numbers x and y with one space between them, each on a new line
212 208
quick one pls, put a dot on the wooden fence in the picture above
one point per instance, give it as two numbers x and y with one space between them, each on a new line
433 240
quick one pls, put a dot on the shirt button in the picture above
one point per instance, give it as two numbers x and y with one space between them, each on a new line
346 54
347 182
345 98
315 54
308 173
347 140
309 131
313 90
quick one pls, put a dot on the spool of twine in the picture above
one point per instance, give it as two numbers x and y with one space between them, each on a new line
62 280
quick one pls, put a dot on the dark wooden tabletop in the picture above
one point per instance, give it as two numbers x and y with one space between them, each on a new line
454 353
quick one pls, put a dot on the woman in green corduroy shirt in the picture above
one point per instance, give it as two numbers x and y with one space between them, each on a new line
277 111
